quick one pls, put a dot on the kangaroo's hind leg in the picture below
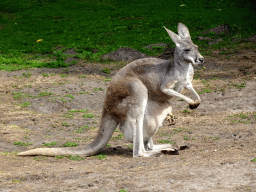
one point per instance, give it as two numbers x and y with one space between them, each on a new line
134 106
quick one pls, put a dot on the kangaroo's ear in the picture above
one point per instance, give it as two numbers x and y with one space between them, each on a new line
183 31
176 39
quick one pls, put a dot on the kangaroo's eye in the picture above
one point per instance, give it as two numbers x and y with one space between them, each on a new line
187 50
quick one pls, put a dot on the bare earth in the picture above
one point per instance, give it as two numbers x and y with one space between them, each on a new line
220 133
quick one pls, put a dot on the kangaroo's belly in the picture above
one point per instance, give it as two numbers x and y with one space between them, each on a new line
154 117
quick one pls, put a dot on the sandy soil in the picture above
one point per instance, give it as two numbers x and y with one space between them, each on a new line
220 133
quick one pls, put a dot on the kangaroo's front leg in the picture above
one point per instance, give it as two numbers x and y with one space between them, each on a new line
189 86
167 88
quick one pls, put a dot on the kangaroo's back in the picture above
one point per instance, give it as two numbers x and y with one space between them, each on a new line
150 71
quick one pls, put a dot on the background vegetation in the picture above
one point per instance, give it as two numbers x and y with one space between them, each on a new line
33 30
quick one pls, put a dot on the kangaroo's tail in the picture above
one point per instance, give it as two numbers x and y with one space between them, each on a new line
106 130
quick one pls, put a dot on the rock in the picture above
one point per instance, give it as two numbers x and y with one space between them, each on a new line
168 53
248 39
215 41
153 46
204 38
218 30
70 52
125 54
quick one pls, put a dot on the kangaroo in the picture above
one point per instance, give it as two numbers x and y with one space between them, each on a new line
138 100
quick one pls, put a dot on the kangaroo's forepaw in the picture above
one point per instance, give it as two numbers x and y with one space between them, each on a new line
194 105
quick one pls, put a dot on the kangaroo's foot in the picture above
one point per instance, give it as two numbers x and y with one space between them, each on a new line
194 105
164 149
171 119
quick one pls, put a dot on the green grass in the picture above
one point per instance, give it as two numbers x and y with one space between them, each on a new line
242 117
70 144
253 160
205 91
106 70
186 111
239 86
75 158
70 96
90 115
119 137
32 29
50 144
19 95
100 156
81 129
44 94
25 104
21 143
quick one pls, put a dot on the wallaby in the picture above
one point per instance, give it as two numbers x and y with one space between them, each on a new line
138 100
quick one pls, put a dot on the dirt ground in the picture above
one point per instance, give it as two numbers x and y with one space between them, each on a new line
41 106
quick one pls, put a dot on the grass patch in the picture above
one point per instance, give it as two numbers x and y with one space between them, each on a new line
88 115
25 104
186 111
19 95
44 94
205 91
75 158
242 117
50 144
81 129
106 70
214 138
119 137
70 144
59 157
100 156
253 160
19 143
45 74
185 137
65 124
238 86
71 113
98 89
37 33
16 181
70 96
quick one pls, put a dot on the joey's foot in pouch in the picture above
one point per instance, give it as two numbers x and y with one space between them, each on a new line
171 119
194 105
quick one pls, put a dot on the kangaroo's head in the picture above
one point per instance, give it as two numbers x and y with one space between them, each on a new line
186 50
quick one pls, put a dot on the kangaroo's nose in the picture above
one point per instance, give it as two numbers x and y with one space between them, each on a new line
201 59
